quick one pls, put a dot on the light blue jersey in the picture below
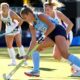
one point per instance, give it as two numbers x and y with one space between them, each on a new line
41 26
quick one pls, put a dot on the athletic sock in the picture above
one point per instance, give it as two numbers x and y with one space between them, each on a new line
36 60
12 54
21 51
74 60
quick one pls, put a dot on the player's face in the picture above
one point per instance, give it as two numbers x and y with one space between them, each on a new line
28 18
5 8
48 9
24 17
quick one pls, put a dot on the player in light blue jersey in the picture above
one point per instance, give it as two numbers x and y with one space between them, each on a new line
50 29
51 10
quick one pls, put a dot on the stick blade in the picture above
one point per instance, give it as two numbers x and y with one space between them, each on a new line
5 77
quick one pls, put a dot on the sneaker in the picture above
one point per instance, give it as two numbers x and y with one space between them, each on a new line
73 70
12 64
76 74
32 73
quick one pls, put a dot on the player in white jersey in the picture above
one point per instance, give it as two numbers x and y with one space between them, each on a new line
13 23
51 10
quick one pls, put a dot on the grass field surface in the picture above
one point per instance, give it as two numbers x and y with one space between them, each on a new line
50 69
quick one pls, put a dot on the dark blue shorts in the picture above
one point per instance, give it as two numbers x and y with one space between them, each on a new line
59 30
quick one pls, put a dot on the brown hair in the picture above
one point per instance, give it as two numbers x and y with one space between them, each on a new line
26 10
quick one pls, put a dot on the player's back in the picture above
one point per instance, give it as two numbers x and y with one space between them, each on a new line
41 26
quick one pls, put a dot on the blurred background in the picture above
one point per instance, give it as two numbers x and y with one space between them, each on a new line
71 10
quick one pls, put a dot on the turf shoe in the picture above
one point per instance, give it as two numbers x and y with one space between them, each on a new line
76 74
73 70
32 73
12 64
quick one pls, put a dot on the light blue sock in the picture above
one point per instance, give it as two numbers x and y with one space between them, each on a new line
36 60
74 60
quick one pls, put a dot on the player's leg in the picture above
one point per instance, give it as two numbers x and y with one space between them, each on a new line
74 68
36 63
46 44
58 35
21 50
18 40
9 42
62 46
36 58
56 53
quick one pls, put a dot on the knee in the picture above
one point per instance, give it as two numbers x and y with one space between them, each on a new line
19 44
9 46
57 57
64 54
40 49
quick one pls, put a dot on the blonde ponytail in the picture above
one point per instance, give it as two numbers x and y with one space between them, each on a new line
54 3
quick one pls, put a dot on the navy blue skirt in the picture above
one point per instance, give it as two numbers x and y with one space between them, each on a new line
59 30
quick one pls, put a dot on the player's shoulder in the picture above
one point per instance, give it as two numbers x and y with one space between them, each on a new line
11 12
41 15
37 15
59 13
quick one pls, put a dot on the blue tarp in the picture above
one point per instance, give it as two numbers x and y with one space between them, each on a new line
76 41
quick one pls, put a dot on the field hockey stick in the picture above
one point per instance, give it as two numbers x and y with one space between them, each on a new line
12 31
3 34
8 76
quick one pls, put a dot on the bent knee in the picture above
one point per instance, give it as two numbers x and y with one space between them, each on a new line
57 57
9 46
65 54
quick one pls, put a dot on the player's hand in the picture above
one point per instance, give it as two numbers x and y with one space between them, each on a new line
41 38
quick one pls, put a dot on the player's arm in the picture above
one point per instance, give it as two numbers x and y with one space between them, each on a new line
33 39
50 25
16 17
66 20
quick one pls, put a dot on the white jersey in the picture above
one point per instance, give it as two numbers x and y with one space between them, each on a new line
10 24
64 25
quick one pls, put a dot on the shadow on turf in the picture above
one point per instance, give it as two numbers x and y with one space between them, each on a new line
43 69
35 79
27 79
53 78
